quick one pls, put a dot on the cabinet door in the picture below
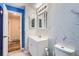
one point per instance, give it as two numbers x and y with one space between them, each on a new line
1 31
42 46
33 47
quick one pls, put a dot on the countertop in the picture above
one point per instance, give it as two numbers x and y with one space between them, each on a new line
37 38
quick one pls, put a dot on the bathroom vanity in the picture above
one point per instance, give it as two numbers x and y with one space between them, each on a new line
37 45
38 21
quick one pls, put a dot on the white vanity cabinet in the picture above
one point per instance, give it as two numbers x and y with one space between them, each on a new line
37 46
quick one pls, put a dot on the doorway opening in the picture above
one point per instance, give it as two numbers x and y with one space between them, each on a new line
14 31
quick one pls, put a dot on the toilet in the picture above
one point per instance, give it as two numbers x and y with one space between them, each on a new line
60 53
60 50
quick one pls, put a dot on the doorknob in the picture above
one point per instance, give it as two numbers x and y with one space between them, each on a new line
5 36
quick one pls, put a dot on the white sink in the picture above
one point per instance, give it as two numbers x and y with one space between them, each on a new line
37 38
64 49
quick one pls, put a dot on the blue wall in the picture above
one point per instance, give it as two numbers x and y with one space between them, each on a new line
1 4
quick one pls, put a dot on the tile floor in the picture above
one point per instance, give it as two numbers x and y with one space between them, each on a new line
18 53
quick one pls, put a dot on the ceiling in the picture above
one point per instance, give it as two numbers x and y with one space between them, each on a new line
17 4
35 5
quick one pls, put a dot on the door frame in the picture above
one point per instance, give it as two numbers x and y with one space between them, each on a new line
19 10
22 11
20 27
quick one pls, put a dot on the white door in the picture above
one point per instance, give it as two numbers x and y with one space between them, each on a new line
5 30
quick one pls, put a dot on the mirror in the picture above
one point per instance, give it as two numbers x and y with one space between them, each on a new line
42 20
32 22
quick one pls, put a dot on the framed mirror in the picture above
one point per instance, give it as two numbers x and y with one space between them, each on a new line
40 23
42 20
32 22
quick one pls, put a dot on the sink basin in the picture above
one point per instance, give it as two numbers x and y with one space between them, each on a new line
38 38
64 49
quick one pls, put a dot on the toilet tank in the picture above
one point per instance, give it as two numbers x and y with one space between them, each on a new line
60 53
60 50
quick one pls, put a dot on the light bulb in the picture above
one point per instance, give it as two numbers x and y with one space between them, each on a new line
1 11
